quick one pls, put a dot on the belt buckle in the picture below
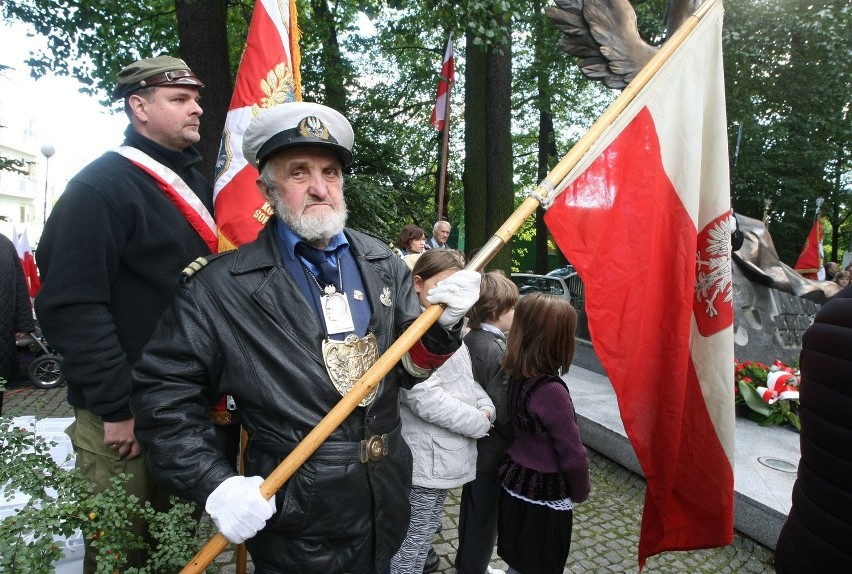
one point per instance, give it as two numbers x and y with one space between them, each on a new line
374 448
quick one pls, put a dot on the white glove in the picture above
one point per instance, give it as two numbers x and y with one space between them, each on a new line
238 509
458 292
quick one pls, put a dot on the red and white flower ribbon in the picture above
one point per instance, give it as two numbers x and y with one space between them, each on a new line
780 385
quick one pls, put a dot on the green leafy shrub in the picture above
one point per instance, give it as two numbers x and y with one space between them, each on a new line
62 501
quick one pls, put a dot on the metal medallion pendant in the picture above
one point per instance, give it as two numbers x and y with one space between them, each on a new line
336 312
346 361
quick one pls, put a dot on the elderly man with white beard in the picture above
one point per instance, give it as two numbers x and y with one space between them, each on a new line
285 325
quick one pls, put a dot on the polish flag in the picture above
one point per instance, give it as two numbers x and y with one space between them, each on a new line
644 219
268 76
810 263
25 253
448 76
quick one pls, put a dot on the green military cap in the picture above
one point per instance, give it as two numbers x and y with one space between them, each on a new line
159 71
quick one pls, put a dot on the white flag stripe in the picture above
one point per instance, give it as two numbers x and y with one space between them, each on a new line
279 13
715 375
236 123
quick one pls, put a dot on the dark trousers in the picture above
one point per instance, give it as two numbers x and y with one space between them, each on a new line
477 523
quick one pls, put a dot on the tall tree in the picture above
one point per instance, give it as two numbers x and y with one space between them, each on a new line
788 74
498 140
203 39
92 41
475 176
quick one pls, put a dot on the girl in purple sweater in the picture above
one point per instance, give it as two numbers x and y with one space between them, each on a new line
546 470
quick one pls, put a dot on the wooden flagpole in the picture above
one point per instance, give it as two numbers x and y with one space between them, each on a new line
242 553
418 328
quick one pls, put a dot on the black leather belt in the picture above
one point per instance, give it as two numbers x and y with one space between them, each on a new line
371 449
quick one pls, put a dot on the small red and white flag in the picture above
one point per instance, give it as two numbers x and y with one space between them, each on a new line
448 77
25 254
268 76
810 262
644 219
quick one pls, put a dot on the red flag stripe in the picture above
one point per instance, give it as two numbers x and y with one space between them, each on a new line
268 76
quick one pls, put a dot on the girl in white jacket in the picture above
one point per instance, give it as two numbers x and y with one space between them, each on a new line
441 419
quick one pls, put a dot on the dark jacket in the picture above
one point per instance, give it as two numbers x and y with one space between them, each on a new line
242 326
486 352
16 312
110 258
816 537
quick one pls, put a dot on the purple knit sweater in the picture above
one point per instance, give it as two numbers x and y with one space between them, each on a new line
547 460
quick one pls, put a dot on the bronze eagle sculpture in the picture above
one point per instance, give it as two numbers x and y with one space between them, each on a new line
604 36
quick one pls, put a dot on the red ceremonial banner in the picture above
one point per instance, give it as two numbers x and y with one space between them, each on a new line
810 260
268 76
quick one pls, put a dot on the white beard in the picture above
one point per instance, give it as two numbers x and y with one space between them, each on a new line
313 228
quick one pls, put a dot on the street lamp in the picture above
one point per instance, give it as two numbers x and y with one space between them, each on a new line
47 151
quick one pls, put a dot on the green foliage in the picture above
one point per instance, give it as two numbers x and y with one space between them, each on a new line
93 40
14 165
62 501
749 375
787 79
787 73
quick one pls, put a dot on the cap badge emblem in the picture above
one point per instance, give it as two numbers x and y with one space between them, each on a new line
312 126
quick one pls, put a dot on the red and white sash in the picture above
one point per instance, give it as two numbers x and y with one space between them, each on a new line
178 192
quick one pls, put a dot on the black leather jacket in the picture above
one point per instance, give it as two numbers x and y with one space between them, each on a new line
241 326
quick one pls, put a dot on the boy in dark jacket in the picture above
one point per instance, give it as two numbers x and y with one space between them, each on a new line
490 318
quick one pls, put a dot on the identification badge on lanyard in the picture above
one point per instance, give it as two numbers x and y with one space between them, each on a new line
336 311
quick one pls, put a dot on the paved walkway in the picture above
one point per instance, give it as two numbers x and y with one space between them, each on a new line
606 527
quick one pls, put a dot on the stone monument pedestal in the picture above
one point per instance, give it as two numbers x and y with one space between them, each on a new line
766 458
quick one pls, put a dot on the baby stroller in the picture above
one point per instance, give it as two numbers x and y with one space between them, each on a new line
44 367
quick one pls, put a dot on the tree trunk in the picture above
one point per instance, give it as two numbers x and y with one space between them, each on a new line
202 29
473 175
546 137
498 143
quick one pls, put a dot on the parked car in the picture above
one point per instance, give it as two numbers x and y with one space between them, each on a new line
565 271
529 283
569 287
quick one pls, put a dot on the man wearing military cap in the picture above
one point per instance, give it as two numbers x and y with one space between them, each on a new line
286 324
110 256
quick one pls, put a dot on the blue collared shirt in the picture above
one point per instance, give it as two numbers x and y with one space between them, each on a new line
288 239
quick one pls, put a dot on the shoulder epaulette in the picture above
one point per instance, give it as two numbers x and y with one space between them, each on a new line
194 267
199 264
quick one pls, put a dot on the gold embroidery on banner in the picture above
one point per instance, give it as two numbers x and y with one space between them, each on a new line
278 85
223 162
346 361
